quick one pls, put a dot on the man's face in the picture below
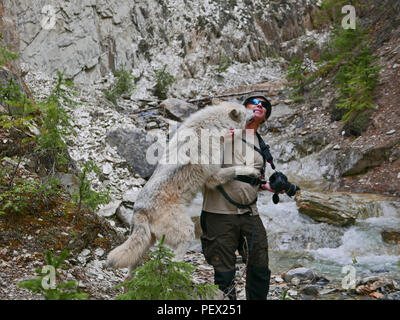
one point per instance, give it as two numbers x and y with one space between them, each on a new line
258 110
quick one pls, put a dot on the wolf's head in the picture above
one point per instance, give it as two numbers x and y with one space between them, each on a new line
224 116
235 115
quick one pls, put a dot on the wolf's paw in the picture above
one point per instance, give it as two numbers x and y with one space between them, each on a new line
248 171
109 264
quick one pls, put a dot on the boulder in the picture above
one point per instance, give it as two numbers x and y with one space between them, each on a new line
302 274
310 290
298 147
391 236
176 109
355 161
109 209
132 144
341 208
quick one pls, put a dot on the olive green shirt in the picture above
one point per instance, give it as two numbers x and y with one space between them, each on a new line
238 191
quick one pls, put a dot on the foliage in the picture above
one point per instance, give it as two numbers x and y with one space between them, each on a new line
223 64
161 278
296 73
21 195
285 296
85 196
55 124
331 10
122 85
62 291
351 57
163 81
5 55
37 128
348 59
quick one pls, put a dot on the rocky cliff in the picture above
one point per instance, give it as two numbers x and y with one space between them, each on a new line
88 39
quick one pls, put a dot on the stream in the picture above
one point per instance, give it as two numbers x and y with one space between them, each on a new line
295 239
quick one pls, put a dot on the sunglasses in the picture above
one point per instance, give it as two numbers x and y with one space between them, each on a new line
256 101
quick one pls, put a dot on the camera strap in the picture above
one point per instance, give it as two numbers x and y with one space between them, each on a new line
248 179
263 150
236 204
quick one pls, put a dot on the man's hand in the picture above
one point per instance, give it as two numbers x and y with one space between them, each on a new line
267 186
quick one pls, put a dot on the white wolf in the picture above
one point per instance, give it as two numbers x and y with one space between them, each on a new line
159 208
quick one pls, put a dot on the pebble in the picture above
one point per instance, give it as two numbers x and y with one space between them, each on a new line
390 132
99 252
311 290
107 168
292 293
85 252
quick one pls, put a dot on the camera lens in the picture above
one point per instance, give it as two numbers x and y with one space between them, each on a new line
291 189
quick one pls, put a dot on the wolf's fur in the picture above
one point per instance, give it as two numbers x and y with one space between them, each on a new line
159 209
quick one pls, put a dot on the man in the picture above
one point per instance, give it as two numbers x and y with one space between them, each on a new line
230 219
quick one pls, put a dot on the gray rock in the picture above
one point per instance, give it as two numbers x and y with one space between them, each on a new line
132 145
342 208
299 146
99 252
390 132
92 38
354 161
109 209
303 274
176 109
310 290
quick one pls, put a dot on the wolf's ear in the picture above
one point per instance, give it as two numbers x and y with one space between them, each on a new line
234 115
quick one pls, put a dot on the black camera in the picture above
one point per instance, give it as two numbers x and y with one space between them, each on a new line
278 182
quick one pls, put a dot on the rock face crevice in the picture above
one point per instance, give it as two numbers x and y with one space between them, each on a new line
93 37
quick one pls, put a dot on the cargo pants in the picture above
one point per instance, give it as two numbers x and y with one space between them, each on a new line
223 234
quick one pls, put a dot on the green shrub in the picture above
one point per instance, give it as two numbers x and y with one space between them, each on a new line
348 59
55 124
161 278
122 85
20 195
297 73
349 55
163 81
52 291
223 64
5 55
85 196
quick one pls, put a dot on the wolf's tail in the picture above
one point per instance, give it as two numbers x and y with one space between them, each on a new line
132 250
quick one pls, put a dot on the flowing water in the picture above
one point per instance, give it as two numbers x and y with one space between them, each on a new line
295 238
